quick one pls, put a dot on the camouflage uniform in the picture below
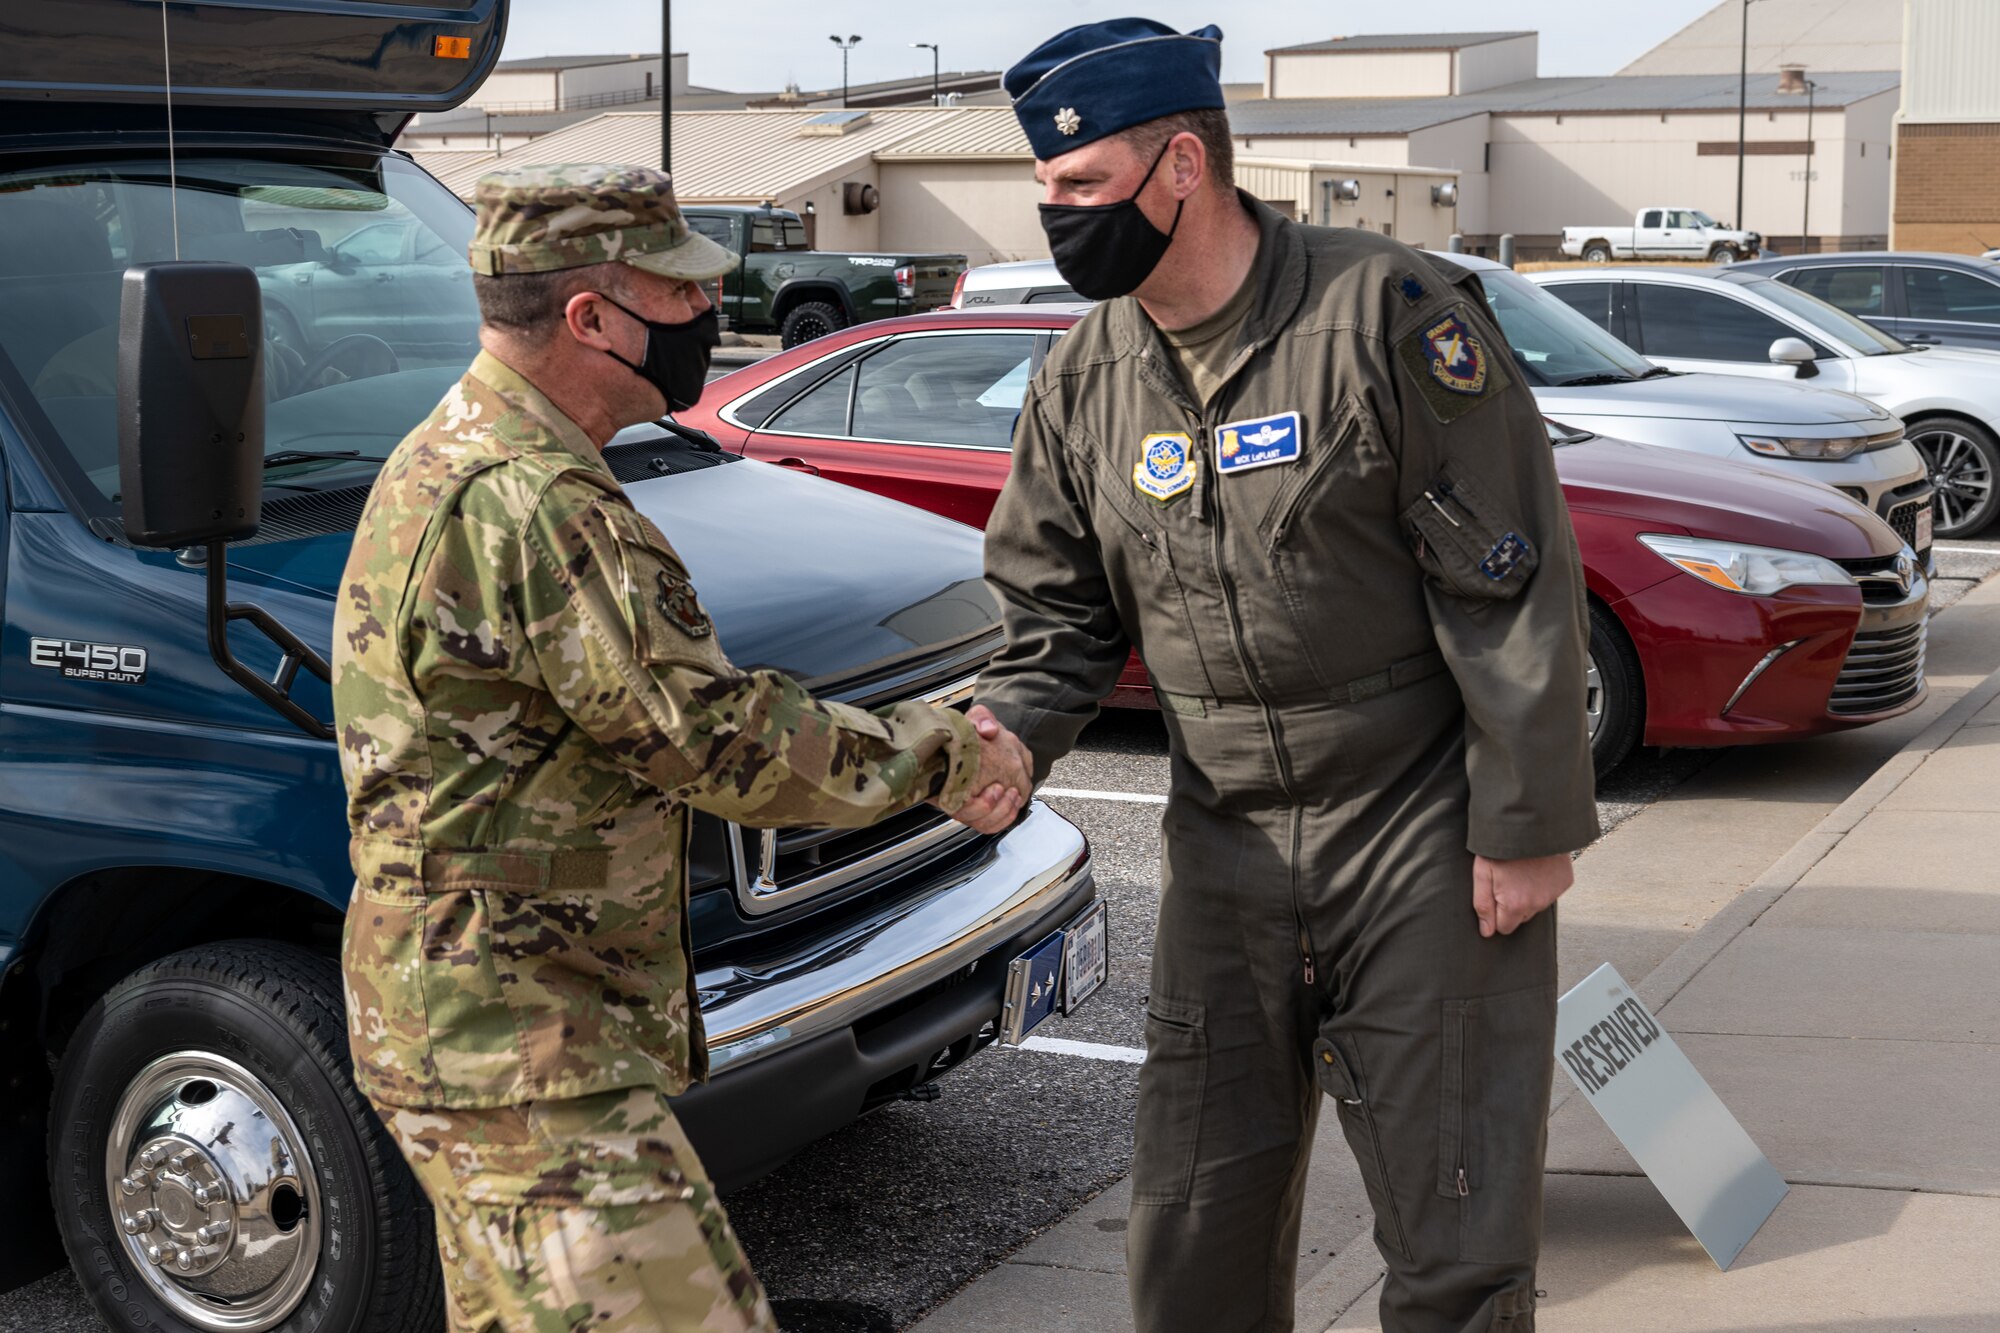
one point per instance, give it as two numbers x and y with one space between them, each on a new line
529 698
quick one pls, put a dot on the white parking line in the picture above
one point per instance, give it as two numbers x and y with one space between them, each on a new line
1083 794
1089 1050
1968 550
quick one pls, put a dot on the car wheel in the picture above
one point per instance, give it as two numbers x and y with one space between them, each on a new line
1597 252
214 1168
1964 463
809 320
1722 254
1614 692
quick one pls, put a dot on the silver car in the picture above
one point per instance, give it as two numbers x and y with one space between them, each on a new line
1747 324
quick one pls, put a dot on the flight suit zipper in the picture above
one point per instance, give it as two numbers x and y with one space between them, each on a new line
1212 507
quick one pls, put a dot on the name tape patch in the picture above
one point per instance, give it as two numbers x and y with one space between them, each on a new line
1257 442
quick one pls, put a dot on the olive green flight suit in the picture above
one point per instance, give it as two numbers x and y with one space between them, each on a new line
1371 660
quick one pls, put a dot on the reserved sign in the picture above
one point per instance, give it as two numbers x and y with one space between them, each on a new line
1666 1115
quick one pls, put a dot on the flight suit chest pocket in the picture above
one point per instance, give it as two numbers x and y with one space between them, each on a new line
1466 545
656 598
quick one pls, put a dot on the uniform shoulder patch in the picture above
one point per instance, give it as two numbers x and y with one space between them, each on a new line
1451 366
1412 290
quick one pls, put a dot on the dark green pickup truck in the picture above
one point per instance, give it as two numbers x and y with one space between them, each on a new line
787 287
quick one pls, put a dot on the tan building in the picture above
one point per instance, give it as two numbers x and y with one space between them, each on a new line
1538 154
949 179
1828 35
1947 183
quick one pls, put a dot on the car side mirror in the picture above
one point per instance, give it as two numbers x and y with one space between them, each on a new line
1797 353
191 444
190 403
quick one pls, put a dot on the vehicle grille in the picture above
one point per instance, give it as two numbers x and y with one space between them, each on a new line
1903 518
1881 583
777 868
1884 668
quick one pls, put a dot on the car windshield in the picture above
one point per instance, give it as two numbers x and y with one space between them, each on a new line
369 315
1829 320
1704 219
1553 344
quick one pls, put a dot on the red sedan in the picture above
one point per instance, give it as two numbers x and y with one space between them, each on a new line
1727 604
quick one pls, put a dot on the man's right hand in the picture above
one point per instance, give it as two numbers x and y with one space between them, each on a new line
1005 780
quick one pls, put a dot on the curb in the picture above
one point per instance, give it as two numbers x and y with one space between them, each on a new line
1354 1269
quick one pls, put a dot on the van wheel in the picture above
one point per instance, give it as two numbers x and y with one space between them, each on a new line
808 320
1964 463
214 1169
1723 254
1614 698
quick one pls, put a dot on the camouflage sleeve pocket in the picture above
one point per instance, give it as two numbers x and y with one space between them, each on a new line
668 623
1466 548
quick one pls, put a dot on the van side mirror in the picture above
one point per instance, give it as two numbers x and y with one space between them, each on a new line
190 403
191 444
1795 352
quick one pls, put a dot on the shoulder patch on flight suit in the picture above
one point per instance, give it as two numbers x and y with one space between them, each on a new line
1412 290
1451 367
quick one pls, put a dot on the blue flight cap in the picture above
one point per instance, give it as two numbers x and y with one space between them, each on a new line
1101 78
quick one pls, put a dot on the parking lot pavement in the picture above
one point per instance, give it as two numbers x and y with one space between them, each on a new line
871 1227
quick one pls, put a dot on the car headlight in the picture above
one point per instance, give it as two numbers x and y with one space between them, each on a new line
1756 571
1785 446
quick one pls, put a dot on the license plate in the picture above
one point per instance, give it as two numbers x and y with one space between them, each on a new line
1056 975
1924 519
1085 957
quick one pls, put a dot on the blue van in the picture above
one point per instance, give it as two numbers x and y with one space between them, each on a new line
173 864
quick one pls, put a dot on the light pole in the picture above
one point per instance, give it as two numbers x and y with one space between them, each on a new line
845 47
1805 214
667 92
932 48
1742 109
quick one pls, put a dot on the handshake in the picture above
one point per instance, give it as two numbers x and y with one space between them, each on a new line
1006 776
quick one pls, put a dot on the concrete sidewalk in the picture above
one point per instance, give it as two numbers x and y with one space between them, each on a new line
1826 948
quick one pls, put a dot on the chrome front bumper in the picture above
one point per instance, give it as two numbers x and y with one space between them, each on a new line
978 907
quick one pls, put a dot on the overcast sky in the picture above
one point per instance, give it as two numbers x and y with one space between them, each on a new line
759 45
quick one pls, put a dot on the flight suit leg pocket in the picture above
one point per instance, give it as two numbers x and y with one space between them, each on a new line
1497 1060
1340 1078
1172 1084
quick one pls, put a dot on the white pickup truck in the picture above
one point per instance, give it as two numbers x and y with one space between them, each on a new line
1662 233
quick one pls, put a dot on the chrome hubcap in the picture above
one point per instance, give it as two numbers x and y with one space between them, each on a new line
1593 695
215 1193
1963 479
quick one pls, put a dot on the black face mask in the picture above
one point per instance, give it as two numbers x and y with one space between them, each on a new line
1107 250
676 361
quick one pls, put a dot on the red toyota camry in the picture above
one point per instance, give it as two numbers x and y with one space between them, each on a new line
1727 604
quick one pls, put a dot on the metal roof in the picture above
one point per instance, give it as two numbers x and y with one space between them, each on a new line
1400 41
983 132
749 156
1819 34
574 62
1664 93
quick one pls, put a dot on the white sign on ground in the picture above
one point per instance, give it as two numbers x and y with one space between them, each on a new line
1663 1111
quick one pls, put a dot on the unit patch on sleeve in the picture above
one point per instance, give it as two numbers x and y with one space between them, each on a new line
1451 367
1258 442
1166 465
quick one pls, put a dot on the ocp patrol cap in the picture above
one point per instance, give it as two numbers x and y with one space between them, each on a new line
1100 78
569 215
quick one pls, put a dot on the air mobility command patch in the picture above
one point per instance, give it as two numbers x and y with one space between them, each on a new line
1452 368
1166 465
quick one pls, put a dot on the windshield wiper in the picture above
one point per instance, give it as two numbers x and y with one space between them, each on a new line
1658 370
1602 377
284 456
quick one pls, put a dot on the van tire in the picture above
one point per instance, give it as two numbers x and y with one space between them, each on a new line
808 320
274 1012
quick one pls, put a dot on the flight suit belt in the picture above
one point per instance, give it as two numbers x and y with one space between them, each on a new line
1392 677
445 869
